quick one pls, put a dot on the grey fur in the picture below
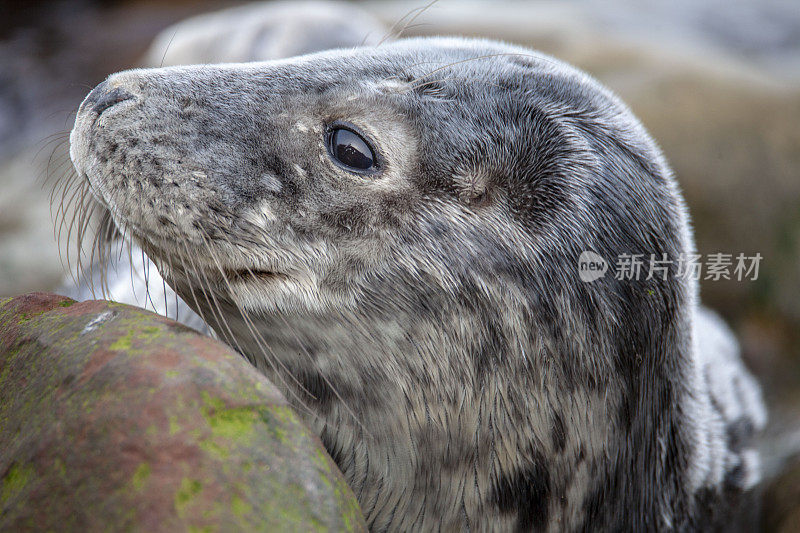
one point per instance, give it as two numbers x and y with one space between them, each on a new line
429 321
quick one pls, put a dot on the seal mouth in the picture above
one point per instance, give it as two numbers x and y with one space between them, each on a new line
250 275
209 271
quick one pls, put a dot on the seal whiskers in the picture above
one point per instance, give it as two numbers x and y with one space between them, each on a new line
392 235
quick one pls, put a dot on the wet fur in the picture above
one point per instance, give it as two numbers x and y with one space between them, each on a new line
429 322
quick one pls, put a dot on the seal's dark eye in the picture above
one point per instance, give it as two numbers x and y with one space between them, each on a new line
351 150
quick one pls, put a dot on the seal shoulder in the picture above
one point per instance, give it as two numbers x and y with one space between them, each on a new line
734 405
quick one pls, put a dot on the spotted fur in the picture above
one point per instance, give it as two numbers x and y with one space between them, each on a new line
429 321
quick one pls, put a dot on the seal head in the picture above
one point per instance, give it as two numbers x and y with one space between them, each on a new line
392 234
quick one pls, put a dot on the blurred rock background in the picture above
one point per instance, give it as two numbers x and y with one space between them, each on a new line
716 82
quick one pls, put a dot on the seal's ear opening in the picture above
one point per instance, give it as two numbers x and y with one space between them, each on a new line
473 189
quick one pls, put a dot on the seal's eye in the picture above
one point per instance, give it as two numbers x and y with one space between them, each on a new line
350 150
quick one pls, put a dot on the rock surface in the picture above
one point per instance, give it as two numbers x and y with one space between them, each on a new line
111 416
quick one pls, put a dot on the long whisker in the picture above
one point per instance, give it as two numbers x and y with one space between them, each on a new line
261 343
213 304
416 12
167 48
305 352
454 63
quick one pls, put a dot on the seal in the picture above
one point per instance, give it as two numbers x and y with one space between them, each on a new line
392 234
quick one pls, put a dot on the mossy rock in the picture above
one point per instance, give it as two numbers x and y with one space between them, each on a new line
112 417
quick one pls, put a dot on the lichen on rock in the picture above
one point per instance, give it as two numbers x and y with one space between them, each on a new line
111 416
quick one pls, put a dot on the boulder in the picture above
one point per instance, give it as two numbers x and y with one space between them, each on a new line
112 417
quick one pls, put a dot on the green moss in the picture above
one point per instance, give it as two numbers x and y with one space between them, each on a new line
187 492
211 403
123 343
27 317
215 449
141 476
15 481
320 458
233 423
174 425
139 332
198 529
10 355
278 419
283 413
67 303
240 507
346 501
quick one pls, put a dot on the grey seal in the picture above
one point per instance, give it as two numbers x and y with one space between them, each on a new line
392 234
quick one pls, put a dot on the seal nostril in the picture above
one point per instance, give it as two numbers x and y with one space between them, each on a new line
103 100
